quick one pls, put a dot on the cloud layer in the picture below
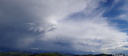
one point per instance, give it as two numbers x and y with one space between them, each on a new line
59 25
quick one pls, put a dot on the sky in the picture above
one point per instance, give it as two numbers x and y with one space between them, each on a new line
69 26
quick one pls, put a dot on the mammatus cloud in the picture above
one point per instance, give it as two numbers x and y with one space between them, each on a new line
59 25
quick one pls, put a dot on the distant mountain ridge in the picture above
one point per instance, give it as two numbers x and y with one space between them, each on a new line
47 54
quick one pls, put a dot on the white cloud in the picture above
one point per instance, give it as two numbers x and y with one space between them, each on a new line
88 35
124 7
57 28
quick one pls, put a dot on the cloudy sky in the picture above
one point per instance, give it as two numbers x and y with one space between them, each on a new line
71 26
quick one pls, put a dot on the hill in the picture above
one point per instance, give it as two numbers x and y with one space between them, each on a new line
46 54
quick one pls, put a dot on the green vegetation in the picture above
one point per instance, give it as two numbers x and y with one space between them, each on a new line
14 54
50 54
46 54
95 55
